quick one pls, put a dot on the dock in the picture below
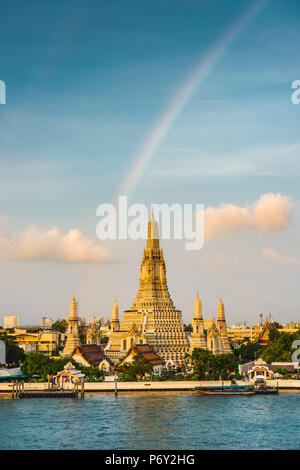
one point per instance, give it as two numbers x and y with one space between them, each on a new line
19 389
48 394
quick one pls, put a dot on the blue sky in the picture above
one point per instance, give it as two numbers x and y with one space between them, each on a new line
86 82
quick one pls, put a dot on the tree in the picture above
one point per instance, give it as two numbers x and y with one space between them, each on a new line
246 352
209 366
60 326
279 349
14 354
138 368
38 364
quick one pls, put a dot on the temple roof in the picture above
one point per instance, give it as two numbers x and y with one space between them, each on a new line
263 338
147 352
92 353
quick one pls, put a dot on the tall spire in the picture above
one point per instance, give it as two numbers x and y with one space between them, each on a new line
73 309
221 311
198 339
197 308
115 316
153 290
153 234
73 339
221 325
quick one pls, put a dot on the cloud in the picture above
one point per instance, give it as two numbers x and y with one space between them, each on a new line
270 213
272 255
53 244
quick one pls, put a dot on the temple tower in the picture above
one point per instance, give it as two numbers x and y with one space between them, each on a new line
115 323
221 325
72 331
214 343
152 319
198 339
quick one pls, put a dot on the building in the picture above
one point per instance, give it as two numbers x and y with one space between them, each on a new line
26 341
68 375
11 321
264 336
291 367
44 341
216 338
198 338
94 334
148 354
154 320
260 368
48 341
92 355
46 322
239 334
72 331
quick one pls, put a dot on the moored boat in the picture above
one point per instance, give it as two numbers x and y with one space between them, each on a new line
226 390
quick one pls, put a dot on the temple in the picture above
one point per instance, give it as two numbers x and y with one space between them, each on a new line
73 339
154 320
216 338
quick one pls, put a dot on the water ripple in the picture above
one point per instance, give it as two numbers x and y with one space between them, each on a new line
151 421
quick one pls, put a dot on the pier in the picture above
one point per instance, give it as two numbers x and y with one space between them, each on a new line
20 389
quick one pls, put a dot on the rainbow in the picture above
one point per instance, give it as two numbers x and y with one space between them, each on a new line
184 94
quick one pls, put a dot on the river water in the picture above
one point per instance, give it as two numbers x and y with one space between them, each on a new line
151 421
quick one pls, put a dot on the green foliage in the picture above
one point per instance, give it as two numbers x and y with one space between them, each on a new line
209 366
246 352
171 374
38 364
14 354
281 371
60 326
279 349
82 338
134 370
274 334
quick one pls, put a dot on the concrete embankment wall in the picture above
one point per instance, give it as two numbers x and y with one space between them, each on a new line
183 386
124 386
149 386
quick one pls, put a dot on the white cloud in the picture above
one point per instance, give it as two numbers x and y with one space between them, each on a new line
270 213
53 244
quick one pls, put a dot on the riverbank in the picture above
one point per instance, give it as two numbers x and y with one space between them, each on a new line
176 386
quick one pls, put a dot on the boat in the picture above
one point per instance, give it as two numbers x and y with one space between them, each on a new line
226 390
